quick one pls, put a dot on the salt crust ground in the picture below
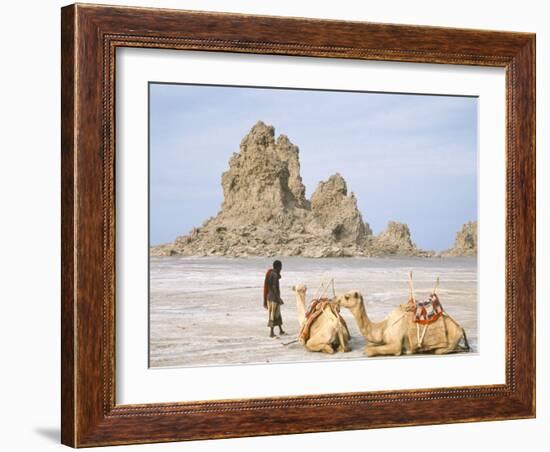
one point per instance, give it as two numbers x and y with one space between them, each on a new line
208 311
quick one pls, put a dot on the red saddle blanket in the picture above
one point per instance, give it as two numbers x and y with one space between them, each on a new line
315 309
427 311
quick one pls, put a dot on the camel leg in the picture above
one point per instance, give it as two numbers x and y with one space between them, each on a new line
451 348
343 346
454 346
383 350
444 350
313 346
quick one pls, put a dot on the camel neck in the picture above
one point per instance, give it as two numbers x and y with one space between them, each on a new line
300 309
362 319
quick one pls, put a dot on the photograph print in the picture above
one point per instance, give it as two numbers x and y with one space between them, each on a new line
293 225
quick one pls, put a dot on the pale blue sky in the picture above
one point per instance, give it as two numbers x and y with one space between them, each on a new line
409 158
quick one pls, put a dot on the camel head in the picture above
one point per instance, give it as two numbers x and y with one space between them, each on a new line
300 289
350 299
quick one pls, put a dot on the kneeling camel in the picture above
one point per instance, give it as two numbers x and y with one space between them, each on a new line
390 336
327 331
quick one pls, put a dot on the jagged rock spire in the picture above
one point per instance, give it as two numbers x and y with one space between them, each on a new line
465 241
336 211
263 178
265 211
396 239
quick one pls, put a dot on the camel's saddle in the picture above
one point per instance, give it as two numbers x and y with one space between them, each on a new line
427 311
316 308
427 329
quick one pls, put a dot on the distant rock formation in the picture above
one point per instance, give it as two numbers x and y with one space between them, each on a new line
396 239
265 211
335 213
465 241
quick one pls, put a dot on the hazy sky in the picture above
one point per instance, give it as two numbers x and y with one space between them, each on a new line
409 158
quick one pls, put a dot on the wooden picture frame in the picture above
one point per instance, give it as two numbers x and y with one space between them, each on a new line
90 36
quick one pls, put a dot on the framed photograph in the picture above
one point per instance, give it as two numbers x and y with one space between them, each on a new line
282 225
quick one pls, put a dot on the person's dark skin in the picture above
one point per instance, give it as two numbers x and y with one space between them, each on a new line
278 269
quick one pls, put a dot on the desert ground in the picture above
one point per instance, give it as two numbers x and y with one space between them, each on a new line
208 311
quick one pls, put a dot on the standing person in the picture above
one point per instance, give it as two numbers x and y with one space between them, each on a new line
272 298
